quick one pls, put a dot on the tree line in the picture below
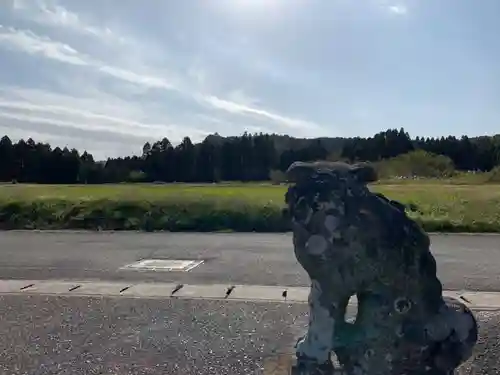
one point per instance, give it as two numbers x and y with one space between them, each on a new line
249 157
467 154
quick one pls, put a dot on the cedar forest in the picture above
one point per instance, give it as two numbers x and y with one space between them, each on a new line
250 157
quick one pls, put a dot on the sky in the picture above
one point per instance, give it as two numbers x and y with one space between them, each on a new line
109 75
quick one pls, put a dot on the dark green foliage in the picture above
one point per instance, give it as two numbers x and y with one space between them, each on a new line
467 154
106 214
250 157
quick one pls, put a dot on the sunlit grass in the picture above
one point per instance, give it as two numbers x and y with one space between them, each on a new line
438 206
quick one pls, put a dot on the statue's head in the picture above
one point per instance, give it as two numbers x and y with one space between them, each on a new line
361 173
332 187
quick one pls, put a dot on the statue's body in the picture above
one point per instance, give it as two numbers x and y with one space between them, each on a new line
351 241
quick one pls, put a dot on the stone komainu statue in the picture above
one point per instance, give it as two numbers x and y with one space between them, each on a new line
352 241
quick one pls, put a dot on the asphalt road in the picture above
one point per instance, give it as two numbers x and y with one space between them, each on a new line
470 262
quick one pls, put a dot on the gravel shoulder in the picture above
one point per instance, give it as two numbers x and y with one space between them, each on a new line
70 335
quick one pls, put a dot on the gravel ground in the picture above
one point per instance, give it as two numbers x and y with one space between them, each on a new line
75 335
54 335
486 359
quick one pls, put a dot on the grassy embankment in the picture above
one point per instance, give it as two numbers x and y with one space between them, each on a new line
447 206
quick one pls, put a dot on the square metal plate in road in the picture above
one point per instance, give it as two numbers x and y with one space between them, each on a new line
163 265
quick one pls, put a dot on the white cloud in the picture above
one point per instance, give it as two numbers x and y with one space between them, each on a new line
101 117
395 7
226 127
27 41
239 96
101 121
100 148
96 105
237 108
237 102
84 125
84 99
49 13
140 79
398 9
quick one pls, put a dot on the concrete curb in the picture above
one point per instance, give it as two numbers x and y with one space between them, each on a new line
482 301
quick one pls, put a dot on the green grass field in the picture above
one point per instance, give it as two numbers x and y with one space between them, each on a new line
438 206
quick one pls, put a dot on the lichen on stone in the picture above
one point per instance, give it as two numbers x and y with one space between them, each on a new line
352 241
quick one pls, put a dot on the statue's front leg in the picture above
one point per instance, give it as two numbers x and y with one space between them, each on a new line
325 313
317 343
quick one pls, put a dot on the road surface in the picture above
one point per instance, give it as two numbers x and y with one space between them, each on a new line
42 334
470 262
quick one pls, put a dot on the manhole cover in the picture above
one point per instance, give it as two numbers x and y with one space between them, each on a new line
164 265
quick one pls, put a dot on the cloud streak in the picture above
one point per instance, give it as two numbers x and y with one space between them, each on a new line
398 9
97 120
33 44
233 107
149 81
29 42
88 113
49 13
102 124
126 93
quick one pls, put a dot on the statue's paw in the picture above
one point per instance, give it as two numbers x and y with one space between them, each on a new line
463 321
457 346
310 366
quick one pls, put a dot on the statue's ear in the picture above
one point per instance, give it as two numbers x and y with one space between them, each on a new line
299 171
364 172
